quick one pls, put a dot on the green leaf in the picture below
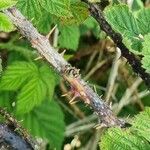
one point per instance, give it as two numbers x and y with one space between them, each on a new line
41 85
56 7
16 74
69 37
136 137
1 67
79 13
141 124
5 23
30 8
34 83
49 78
143 21
146 45
128 43
146 52
90 24
146 63
4 4
46 121
119 139
122 20
114 2
44 23
31 95
39 16
134 45
137 4
5 101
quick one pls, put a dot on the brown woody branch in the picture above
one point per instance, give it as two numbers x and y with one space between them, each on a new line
12 135
10 139
69 73
117 38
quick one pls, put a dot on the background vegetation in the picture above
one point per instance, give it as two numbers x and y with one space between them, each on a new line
32 90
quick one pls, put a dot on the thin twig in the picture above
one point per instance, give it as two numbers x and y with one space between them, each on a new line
129 81
137 99
127 95
79 129
92 71
55 39
86 120
69 110
112 76
139 95
90 61
69 73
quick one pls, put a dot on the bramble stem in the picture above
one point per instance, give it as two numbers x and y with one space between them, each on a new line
69 73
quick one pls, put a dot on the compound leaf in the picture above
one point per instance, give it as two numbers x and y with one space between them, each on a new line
122 20
46 121
69 37
117 139
31 95
16 74
141 124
